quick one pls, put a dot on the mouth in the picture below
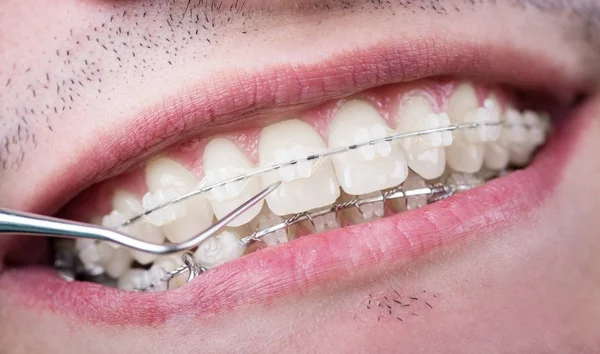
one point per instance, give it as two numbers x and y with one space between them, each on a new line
345 216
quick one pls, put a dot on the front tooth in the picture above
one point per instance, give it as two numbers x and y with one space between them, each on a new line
425 154
222 161
167 180
306 185
369 168
126 206
224 247
462 155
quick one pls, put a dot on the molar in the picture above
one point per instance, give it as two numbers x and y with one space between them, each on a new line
307 185
370 168
222 161
464 155
425 154
126 206
224 247
166 180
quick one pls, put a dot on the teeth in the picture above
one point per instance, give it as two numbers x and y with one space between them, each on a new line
132 279
267 219
413 181
488 117
463 155
167 180
126 206
222 161
366 212
517 138
497 156
169 263
219 249
119 263
93 254
307 185
370 168
425 154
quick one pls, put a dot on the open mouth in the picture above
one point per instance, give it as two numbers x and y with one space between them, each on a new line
378 175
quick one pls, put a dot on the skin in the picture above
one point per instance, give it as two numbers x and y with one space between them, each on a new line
532 285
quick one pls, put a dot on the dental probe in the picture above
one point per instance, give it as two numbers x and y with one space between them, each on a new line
20 223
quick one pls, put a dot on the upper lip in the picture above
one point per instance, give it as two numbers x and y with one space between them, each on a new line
210 107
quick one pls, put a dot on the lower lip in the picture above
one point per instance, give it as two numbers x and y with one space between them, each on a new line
303 264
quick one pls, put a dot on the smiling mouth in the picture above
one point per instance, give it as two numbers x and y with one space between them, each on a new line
345 162
379 201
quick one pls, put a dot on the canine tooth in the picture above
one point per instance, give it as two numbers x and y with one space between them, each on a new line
166 180
369 168
126 206
463 155
307 185
219 249
425 154
222 161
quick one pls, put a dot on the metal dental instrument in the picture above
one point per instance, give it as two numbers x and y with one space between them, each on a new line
12 222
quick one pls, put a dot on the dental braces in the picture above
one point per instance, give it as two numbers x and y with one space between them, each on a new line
544 124
454 183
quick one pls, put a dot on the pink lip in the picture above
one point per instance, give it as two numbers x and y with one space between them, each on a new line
297 267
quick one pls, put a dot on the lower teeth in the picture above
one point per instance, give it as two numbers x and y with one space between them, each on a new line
168 272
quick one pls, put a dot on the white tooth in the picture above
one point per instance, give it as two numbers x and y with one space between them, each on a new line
222 161
166 180
267 219
497 156
516 137
488 118
93 254
413 181
366 212
307 185
137 278
126 206
425 154
464 180
119 263
462 155
131 280
369 168
169 263
219 249
537 128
